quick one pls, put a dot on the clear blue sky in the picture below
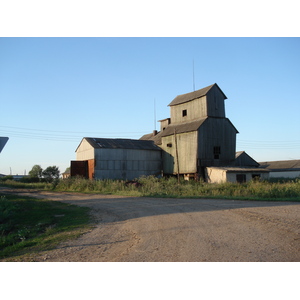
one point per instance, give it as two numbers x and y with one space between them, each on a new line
54 91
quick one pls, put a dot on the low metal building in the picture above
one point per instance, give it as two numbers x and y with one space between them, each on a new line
282 168
127 159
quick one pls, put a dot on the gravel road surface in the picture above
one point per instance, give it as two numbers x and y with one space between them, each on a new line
133 229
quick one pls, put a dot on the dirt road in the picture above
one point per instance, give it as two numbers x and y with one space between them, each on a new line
132 229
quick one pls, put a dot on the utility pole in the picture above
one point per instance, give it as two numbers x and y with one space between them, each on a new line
176 153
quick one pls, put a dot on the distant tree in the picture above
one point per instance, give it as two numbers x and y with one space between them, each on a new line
68 170
51 173
36 172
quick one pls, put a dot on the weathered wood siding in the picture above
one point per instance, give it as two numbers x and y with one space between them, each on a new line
164 123
215 103
84 151
126 164
245 160
187 153
211 105
216 132
195 109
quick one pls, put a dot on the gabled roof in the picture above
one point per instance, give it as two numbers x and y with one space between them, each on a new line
194 95
243 159
99 143
281 165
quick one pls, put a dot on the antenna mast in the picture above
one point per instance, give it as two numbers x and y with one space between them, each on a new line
154 115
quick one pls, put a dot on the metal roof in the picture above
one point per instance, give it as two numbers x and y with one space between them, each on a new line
182 128
194 95
241 169
281 165
179 128
121 144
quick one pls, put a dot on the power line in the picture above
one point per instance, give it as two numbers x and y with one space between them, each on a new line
69 132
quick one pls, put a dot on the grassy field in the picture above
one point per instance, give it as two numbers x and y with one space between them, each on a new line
280 189
29 225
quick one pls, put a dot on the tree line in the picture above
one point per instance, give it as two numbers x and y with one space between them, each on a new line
37 174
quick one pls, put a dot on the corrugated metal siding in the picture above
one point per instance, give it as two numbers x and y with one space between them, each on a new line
127 164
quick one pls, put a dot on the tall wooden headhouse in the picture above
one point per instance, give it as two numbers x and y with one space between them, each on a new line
197 134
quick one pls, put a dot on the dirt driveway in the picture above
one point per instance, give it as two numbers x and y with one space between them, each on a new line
133 229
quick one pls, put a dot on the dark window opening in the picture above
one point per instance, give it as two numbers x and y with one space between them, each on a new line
256 176
241 178
169 145
184 113
217 152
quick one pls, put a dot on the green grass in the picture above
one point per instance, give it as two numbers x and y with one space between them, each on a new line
23 185
279 190
29 225
169 187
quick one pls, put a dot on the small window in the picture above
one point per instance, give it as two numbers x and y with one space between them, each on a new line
184 113
241 178
169 145
256 177
217 152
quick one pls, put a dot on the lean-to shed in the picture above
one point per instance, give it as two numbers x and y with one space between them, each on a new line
235 174
127 159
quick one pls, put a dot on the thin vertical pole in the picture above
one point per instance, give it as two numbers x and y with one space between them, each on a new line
176 153
154 115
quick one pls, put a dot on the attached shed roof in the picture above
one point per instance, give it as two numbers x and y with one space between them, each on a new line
179 128
121 144
281 165
182 128
241 169
194 95
170 129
